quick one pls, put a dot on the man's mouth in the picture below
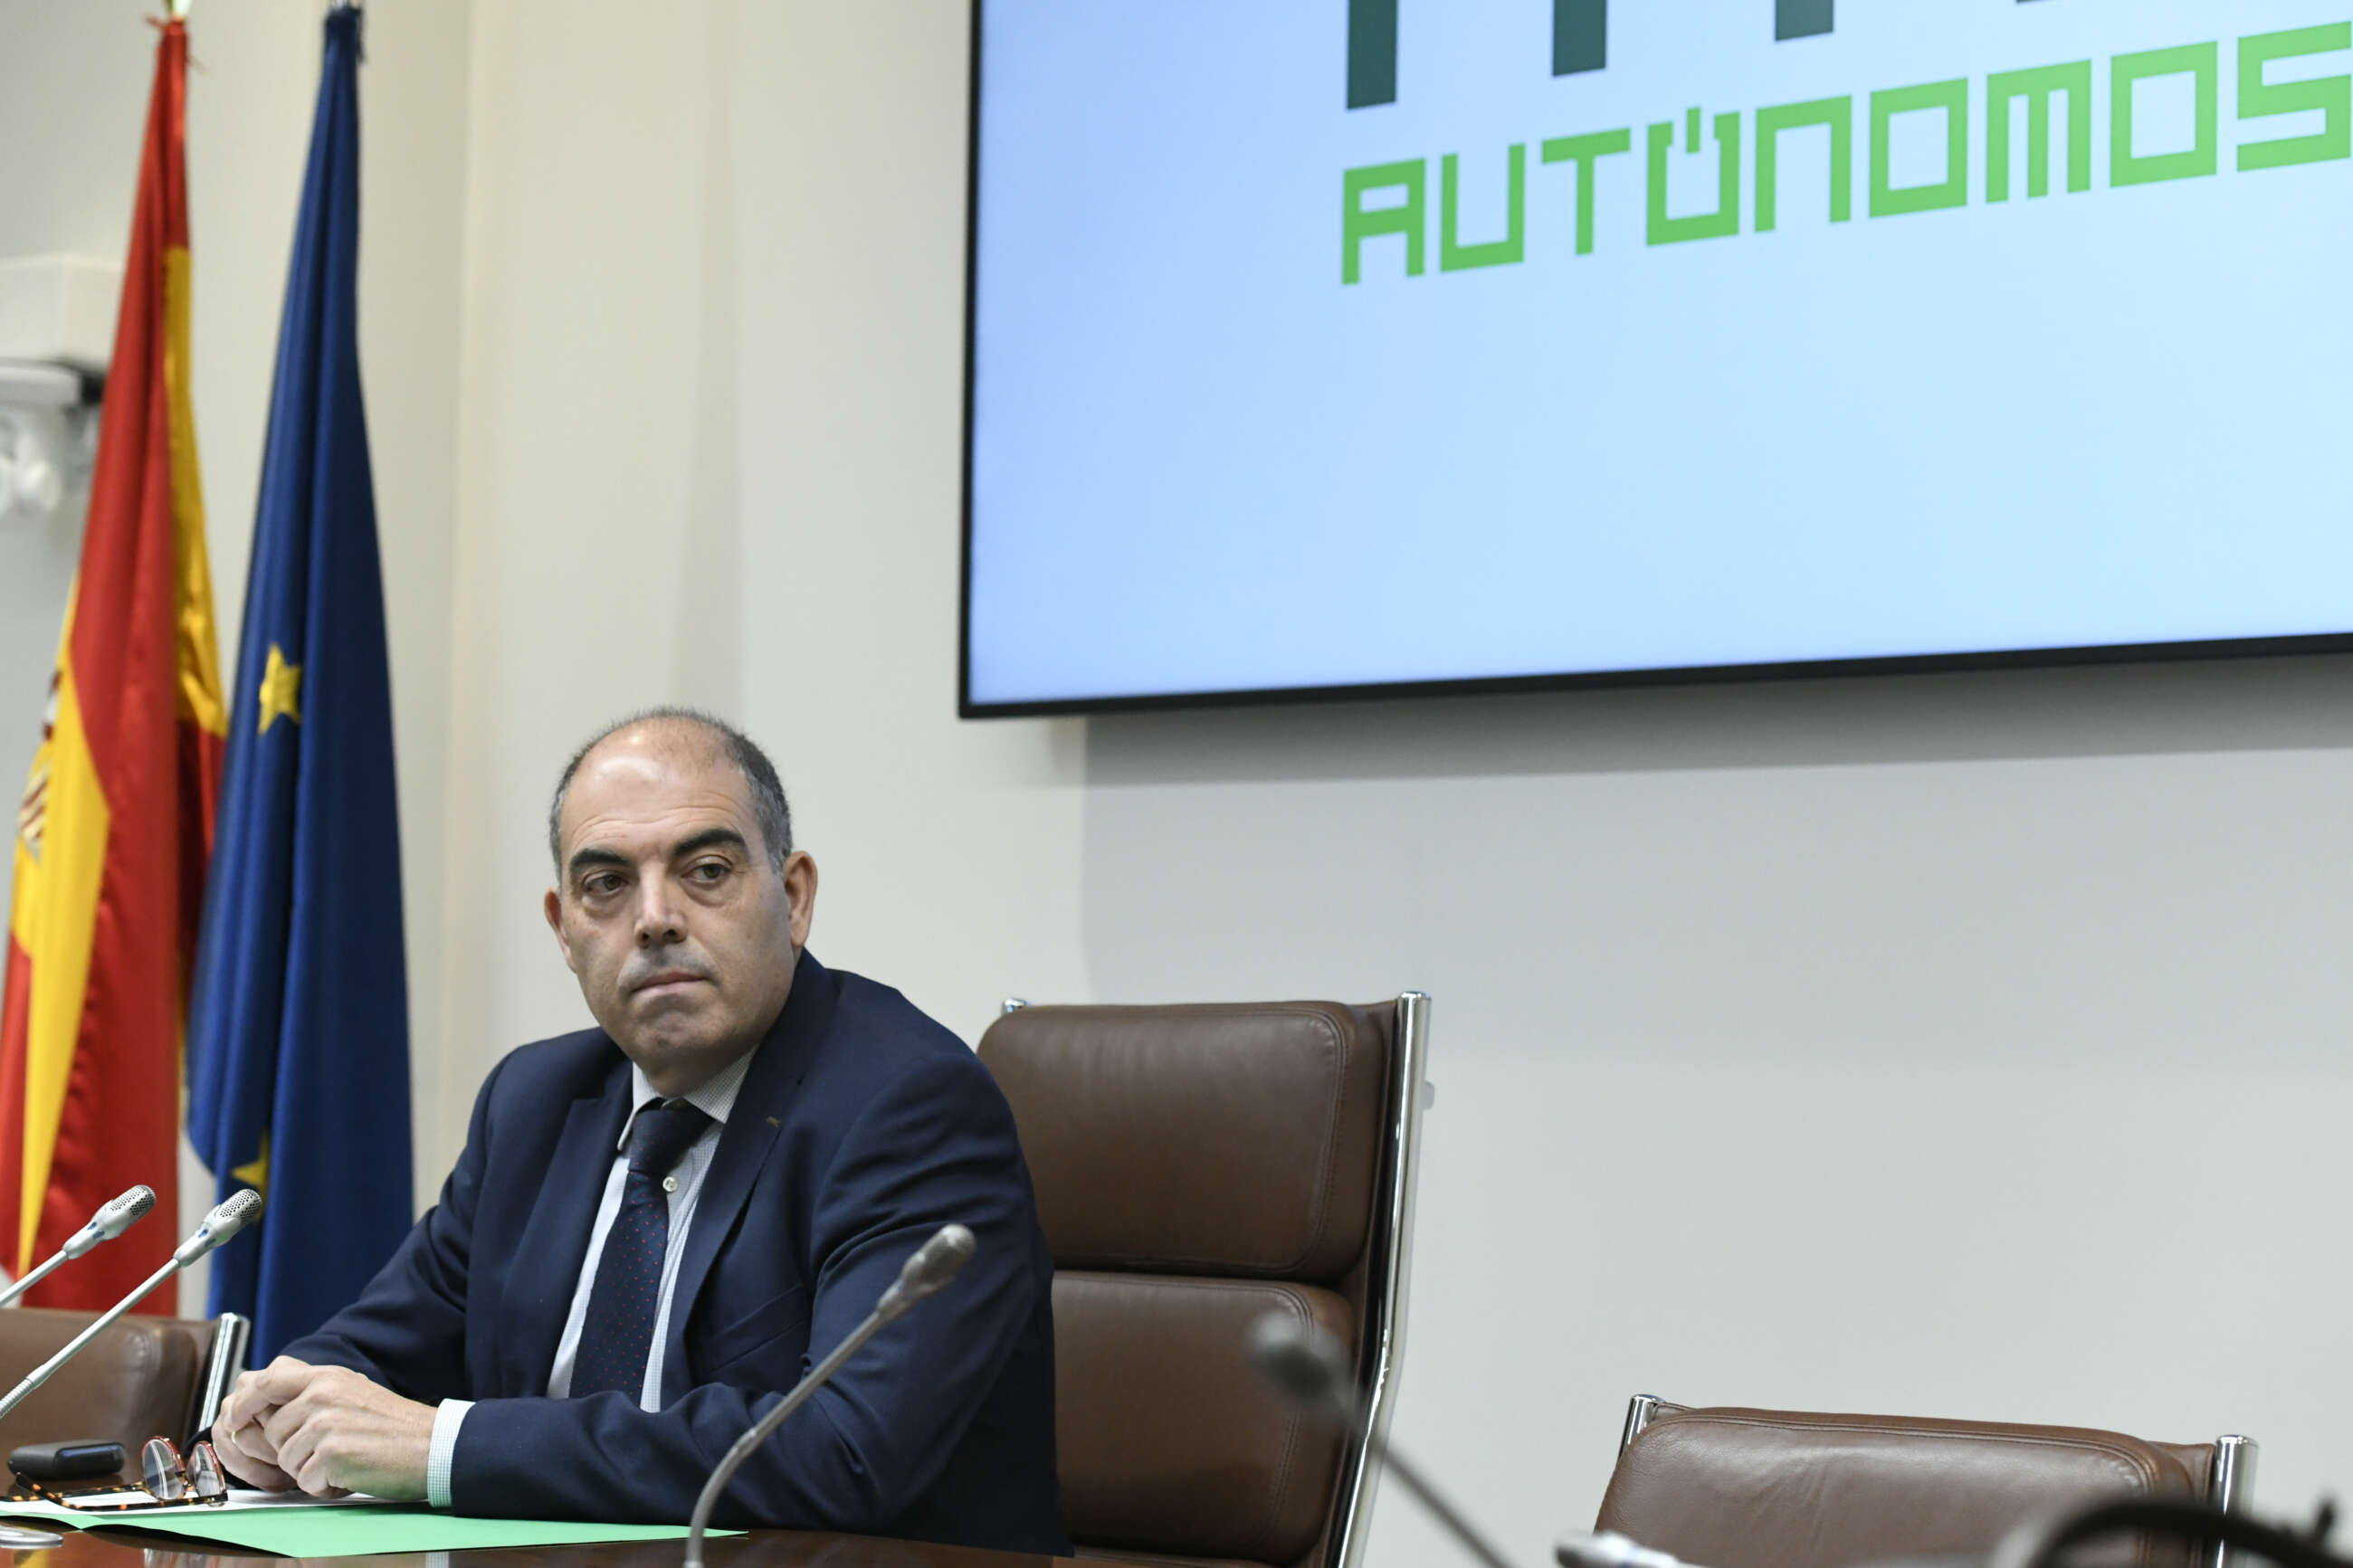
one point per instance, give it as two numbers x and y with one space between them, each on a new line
666 982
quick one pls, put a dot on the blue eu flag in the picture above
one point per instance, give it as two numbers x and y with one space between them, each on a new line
297 1030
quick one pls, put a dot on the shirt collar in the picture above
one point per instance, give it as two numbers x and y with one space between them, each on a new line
716 1098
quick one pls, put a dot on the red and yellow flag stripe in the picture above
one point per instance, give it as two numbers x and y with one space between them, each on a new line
115 829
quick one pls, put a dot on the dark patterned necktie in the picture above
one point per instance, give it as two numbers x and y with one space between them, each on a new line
618 1332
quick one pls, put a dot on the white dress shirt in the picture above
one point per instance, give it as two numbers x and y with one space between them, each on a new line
714 1100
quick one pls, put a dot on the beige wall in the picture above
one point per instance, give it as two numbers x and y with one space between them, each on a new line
711 454
1963 1045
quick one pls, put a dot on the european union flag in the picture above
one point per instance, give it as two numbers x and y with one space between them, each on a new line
298 1032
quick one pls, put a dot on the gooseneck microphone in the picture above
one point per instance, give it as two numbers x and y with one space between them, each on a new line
228 1217
1312 1370
932 1265
119 1215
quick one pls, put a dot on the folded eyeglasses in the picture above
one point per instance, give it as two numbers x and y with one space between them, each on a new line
166 1480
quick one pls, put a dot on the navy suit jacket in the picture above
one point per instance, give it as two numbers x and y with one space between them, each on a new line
861 1127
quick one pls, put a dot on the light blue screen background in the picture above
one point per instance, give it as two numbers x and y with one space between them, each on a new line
1200 463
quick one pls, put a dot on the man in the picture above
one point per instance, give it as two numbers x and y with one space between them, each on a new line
655 1222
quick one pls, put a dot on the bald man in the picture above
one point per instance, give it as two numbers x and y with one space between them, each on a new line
660 1223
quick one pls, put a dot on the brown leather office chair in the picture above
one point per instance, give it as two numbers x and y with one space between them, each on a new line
1778 1489
1196 1167
143 1377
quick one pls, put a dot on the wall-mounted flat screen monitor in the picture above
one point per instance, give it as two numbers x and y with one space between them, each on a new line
1336 346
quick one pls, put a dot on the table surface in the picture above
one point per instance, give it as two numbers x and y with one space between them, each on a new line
114 1548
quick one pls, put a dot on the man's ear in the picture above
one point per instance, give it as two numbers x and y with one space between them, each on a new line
553 907
800 895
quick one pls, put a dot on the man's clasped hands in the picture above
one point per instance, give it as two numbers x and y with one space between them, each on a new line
324 1429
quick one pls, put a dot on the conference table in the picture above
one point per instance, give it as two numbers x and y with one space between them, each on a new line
118 1548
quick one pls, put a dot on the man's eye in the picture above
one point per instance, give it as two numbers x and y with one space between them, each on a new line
710 873
598 887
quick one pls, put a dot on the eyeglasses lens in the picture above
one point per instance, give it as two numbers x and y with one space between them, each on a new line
160 1471
206 1478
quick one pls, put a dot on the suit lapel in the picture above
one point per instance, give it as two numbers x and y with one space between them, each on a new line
547 1265
753 1128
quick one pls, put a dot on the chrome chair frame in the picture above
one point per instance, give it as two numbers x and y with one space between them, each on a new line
1389 1272
232 1336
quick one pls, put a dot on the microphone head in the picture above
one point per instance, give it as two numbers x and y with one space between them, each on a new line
932 1265
117 1216
1307 1364
233 1213
124 1212
937 1261
228 1216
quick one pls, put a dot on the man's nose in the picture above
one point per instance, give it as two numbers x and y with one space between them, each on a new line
658 923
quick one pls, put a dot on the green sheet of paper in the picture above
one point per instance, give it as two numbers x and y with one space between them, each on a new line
347 1531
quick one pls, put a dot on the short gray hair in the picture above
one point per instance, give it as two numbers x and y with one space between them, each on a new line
769 808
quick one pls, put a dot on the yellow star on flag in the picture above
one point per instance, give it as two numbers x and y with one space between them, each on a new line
281 688
256 1174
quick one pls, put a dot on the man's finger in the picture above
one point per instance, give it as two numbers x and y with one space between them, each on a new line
259 1478
316 1474
255 1470
243 1414
281 1424
299 1452
232 1408
282 1421
246 1400
259 1393
281 1379
248 1436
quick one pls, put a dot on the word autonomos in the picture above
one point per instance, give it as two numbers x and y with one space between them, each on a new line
2040 88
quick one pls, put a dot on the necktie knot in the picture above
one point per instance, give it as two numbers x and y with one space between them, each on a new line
662 1134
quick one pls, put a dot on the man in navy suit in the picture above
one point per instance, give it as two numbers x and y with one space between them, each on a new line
657 1221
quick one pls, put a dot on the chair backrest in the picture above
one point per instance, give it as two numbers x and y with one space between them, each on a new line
1778 1489
1196 1167
143 1377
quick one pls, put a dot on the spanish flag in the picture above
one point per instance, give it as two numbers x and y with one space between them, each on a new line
116 825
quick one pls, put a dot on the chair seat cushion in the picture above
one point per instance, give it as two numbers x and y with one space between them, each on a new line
1169 1442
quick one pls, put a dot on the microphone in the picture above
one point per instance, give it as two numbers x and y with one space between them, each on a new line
118 1215
1308 1365
225 1218
934 1263
931 1267
1312 1370
1608 1549
228 1217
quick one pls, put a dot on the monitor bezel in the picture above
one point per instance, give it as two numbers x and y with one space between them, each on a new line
1481 685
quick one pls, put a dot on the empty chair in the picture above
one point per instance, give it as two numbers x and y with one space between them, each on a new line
1778 1489
1196 1167
143 1377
